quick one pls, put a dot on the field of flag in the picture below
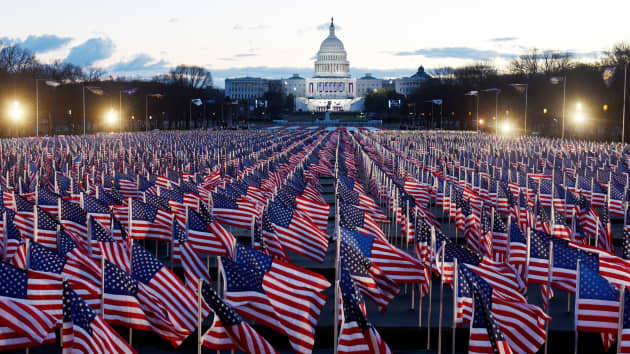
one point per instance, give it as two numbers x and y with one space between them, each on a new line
302 240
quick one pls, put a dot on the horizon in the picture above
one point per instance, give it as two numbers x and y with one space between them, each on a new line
277 39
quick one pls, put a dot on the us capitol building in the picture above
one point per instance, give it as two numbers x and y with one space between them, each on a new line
331 88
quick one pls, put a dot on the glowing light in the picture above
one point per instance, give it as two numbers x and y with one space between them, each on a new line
111 117
506 127
605 107
481 121
544 110
578 106
15 112
579 117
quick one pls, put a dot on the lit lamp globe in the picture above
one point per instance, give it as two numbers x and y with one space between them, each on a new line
15 112
111 117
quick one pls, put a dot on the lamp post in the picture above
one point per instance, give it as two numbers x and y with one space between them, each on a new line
555 81
197 102
49 83
146 108
475 93
496 107
623 115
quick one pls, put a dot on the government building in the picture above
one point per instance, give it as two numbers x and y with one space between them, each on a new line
331 88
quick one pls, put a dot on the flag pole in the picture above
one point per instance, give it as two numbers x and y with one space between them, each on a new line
575 315
199 316
547 304
455 285
623 118
620 322
430 291
441 302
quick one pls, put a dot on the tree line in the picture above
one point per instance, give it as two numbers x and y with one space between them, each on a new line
542 71
168 100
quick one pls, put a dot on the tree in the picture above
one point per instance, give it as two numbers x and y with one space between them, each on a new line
15 59
618 54
188 76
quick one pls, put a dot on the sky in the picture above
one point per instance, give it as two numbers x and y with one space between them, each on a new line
272 38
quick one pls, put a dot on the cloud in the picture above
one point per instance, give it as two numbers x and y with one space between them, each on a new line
91 51
590 55
141 64
503 39
326 25
237 27
39 44
245 55
173 20
456 53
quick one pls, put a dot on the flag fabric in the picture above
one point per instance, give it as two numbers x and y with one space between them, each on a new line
149 222
31 304
283 297
84 331
396 264
608 75
228 330
178 300
297 233
597 300
233 212
209 238
368 277
115 251
357 335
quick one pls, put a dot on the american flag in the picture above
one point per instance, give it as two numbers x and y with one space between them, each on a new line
121 305
368 277
278 295
597 308
357 334
615 199
115 251
485 334
316 210
40 289
209 238
12 237
24 216
74 219
84 331
47 200
194 267
354 218
178 300
96 209
31 305
297 233
559 227
149 222
233 212
84 281
396 264
46 229
229 330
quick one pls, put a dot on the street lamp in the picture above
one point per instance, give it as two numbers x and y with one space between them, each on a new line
50 83
110 117
506 127
16 113
474 93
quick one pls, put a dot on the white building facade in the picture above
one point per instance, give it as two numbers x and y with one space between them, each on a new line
331 88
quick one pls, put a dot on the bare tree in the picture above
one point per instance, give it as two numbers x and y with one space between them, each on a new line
94 74
554 62
14 59
618 54
188 76
526 64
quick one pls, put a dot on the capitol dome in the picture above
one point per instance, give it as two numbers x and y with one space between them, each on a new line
331 57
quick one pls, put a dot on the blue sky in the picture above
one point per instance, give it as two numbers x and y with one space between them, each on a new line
138 38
